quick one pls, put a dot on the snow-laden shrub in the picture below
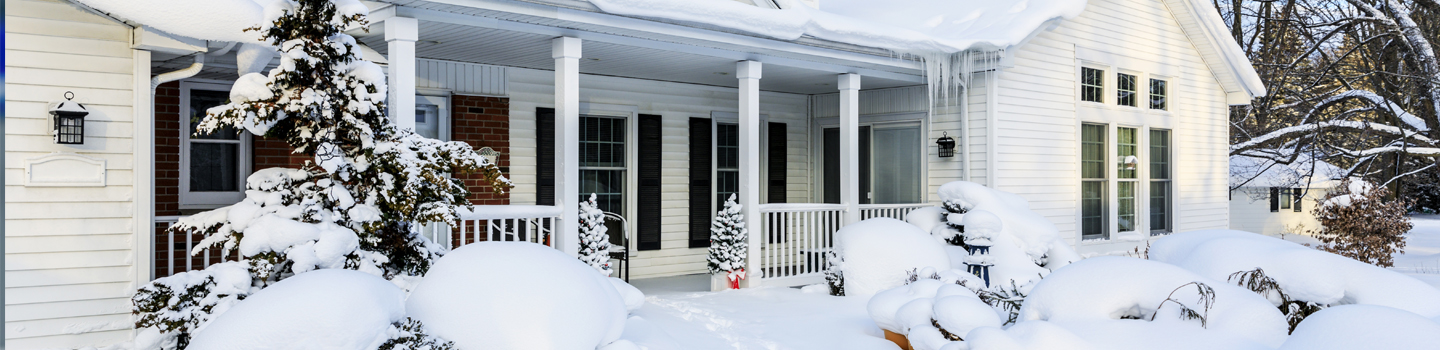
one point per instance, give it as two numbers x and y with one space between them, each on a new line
327 309
729 242
1302 273
594 242
411 335
1365 327
353 205
1023 246
517 295
879 253
1360 221
171 309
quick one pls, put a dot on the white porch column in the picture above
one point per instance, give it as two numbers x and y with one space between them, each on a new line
749 74
850 146
566 52
401 34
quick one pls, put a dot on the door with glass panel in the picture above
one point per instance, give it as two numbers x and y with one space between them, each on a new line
890 164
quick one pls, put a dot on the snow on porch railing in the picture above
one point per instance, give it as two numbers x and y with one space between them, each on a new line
893 211
795 241
172 253
529 223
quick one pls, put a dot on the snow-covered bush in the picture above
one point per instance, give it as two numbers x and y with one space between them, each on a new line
879 253
517 295
1023 246
1302 273
594 242
353 207
328 309
174 307
1360 221
729 243
1365 327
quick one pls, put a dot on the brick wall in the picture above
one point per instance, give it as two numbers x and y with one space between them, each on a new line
167 149
483 122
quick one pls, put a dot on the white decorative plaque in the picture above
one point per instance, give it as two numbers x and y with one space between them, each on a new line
61 169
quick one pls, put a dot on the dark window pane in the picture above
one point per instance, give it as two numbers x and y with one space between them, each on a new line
202 100
213 167
1092 84
1092 151
1157 94
1126 200
1125 89
1159 154
1159 207
1092 209
1125 148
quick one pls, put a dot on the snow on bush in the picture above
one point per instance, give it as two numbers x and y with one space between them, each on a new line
1360 221
328 309
932 311
1024 246
1112 288
1365 327
729 242
1301 272
879 253
517 295
186 302
594 242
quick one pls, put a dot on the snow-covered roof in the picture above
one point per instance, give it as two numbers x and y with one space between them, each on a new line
908 26
1267 173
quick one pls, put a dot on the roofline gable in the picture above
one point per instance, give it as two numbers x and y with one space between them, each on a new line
1207 31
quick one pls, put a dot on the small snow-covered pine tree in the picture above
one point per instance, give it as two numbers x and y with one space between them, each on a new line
355 207
594 241
728 242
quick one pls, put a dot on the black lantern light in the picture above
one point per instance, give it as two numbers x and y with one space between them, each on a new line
69 121
947 145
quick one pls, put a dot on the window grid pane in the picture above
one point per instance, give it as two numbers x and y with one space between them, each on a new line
1159 154
1126 200
1092 209
1125 148
1125 89
1157 94
1159 207
1092 151
727 162
214 167
1092 84
602 162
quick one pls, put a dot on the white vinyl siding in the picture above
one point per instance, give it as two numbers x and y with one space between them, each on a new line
70 251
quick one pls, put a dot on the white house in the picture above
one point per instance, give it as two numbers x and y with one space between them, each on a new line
1110 117
1278 199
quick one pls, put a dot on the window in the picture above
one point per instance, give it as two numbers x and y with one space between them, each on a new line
1159 181
1295 197
602 162
432 117
727 163
1125 151
890 163
1285 198
1157 94
214 165
1093 195
1092 85
1125 89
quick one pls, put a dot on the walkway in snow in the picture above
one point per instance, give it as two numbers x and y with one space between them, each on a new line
761 318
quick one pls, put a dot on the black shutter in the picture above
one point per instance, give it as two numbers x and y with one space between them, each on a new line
831 142
647 202
1274 199
544 156
1295 195
864 166
701 148
777 159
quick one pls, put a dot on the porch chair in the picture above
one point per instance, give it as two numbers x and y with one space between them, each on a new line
619 244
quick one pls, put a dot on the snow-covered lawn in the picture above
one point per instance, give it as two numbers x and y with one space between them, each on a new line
760 318
1422 250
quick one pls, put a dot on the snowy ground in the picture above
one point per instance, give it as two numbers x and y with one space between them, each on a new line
1422 250
676 317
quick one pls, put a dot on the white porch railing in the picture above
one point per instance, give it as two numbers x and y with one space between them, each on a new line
528 223
893 211
796 239
172 253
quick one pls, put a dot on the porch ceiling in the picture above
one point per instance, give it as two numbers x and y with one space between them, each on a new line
454 42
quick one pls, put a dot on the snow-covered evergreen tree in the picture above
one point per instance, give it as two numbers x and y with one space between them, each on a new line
357 206
594 241
729 242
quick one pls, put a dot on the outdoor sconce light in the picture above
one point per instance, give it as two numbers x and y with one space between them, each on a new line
947 145
69 121
490 155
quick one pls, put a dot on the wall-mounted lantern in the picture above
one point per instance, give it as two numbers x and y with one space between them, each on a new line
947 145
69 117
490 155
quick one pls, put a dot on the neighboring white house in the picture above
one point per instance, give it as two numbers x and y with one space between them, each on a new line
1111 121
1276 199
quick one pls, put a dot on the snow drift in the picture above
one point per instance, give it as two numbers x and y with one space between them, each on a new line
326 309
1364 327
1025 246
517 295
1303 273
879 253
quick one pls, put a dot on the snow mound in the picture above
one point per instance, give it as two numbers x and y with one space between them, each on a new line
1031 335
879 253
1023 246
1303 273
902 308
1101 289
224 20
326 309
926 218
1364 327
632 296
517 295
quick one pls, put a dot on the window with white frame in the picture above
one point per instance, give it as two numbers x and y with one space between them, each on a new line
602 162
1092 84
1157 94
213 165
1160 191
1126 147
727 162
1093 181
432 117
1125 89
